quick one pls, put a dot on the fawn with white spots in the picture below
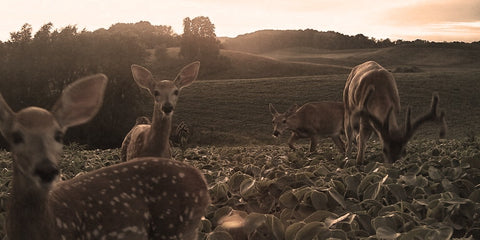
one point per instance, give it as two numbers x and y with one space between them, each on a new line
146 198
152 140
309 121
372 104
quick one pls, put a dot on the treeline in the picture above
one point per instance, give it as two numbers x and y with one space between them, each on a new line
270 40
34 68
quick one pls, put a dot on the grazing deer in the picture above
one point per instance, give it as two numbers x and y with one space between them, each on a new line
152 140
146 198
309 121
372 103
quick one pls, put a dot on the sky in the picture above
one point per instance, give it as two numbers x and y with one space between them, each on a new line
433 20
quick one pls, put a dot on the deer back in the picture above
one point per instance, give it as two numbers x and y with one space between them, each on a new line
123 200
324 118
371 75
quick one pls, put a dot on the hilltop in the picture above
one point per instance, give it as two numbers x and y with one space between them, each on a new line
303 61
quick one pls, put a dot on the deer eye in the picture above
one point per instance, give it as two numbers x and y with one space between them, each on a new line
175 92
58 137
284 121
156 93
17 138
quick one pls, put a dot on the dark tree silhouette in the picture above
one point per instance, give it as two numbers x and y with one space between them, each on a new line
199 41
34 70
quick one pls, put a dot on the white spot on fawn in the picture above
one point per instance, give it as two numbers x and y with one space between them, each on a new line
59 222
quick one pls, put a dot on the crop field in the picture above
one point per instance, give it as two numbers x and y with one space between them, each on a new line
432 193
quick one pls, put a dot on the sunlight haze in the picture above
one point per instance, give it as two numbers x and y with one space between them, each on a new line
433 20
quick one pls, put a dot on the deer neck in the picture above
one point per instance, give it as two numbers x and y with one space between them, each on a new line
29 216
159 134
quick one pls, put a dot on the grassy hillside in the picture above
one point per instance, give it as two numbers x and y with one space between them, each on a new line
426 58
247 65
302 61
236 111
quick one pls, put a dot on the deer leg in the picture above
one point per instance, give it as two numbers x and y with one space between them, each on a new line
313 143
348 138
339 143
294 137
363 136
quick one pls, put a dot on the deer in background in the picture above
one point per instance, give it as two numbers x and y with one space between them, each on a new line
146 198
309 121
372 103
153 139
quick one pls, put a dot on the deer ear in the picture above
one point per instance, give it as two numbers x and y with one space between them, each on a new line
80 101
6 114
143 77
272 109
187 75
292 109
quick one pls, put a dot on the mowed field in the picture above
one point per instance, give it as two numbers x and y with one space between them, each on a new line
274 193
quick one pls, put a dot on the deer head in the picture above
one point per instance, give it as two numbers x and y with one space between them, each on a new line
35 135
165 92
394 139
279 120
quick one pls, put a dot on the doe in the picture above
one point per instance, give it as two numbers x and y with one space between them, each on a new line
309 121
152 140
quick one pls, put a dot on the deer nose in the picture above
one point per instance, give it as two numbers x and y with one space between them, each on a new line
46 171
276 133
167 108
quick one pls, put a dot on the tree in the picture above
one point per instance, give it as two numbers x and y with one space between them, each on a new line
22 36
148 35
199 41
33 71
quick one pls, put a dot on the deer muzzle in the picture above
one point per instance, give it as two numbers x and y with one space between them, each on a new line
46 171
167 108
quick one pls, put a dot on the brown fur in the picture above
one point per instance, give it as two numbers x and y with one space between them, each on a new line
309 121
153 139
372 103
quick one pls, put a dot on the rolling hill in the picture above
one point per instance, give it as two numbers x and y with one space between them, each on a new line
301 61
424 57
243 65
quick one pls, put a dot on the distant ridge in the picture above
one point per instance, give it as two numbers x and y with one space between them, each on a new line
264 41
269 40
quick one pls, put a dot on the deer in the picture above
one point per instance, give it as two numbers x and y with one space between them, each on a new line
153 139
145 198
372 104
309 121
